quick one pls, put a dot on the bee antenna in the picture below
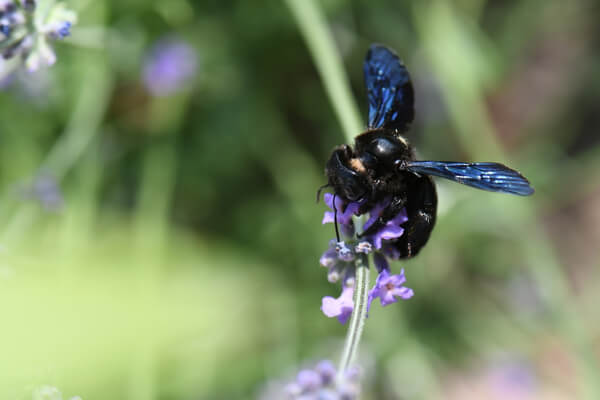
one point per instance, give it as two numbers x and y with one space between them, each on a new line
319 191
337 232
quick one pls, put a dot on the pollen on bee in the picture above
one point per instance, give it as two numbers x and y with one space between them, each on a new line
357 165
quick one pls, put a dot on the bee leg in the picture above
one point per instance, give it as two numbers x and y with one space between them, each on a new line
421 210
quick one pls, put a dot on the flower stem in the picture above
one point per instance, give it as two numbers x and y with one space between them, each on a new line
320 42
357 320
327 58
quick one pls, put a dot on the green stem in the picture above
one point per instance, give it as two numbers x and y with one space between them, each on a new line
327 58
359 315
328 61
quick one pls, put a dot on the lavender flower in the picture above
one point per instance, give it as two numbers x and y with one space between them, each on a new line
389 287
326 370
170 66
339 258
27 30
308 380
318 383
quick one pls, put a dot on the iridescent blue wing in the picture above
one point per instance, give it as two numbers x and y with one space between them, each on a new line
389 90
487 176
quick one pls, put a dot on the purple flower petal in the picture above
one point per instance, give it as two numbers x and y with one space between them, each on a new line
341 307
309 380
326 370
397 280
344 211
376 212
328 218
389 287
400 218
370 298
391 230
328 199
351 209
388 232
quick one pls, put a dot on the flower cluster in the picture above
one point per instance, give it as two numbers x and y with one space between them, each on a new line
319 383
27 28
340 256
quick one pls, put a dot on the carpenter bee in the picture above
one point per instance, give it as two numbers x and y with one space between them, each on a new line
382 164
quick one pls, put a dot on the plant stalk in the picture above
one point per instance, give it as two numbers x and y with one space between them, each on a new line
359 315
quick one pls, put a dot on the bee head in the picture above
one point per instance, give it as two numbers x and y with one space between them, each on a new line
347 175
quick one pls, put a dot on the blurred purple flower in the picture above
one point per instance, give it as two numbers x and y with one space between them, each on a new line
317 383
308 380
341 307
389 287
515 379
46 190
170 66
326 370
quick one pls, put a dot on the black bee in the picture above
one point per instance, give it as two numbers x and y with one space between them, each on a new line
382 163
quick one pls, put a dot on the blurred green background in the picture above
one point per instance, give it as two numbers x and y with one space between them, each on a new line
180 258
